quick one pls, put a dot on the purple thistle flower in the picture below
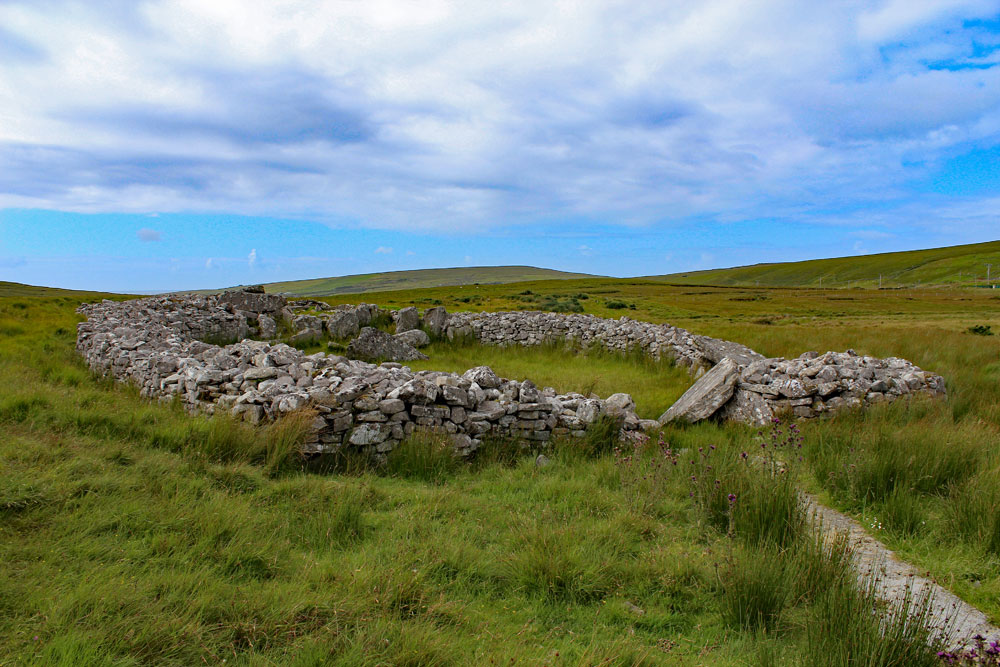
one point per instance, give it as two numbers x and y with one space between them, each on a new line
732 497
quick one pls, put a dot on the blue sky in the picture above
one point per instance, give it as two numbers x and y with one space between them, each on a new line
171 145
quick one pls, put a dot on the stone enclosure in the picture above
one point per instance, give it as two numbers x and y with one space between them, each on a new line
185 346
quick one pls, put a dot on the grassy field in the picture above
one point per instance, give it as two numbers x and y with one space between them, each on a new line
393 280
954 265
132 533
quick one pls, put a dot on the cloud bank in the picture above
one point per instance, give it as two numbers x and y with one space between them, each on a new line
469 116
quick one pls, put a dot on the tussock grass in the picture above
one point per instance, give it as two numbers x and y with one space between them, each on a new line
135 533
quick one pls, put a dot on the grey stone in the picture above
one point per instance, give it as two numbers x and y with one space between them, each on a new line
414 337
483 376
407 319
343 324
747 407
436 319
706 395
373 344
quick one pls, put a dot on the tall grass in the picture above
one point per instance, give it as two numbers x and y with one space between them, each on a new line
426 456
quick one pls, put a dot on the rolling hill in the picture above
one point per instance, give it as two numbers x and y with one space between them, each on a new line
954 265
395 280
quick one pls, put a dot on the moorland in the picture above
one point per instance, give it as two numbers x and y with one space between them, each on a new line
133 533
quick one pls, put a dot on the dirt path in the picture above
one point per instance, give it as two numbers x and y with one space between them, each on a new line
962 620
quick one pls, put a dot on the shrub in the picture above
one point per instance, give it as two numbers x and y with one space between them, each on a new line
980 330
616 305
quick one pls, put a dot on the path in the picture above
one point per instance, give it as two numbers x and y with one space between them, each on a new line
962 620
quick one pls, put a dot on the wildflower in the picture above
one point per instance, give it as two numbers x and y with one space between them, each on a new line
743 455
732 497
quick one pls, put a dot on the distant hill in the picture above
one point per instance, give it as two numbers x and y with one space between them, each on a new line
953 265
397 280
9 289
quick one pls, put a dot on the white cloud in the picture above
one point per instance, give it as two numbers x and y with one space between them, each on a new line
147 235
462 116
383 250
209 264
252 258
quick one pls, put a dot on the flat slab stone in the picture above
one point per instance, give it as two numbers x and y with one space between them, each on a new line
705 396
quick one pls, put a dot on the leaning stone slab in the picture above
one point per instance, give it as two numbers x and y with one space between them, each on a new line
706 395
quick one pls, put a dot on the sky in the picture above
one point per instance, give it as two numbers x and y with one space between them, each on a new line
173 145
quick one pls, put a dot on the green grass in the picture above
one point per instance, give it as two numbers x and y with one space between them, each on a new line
392 280
133 533
654 386
953 265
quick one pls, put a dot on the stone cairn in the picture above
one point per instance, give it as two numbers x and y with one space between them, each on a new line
176 346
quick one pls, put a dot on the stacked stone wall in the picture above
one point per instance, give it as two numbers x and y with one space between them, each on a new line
171 346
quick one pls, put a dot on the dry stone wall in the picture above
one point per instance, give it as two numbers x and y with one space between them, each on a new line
153 344
174 346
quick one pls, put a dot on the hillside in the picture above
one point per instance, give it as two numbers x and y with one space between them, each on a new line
395 280
953 265
19 289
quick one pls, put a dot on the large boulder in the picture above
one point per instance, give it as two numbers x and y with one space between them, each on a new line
343 324
308 329
375 345
706 395
407 319
436 320
414 337
253 299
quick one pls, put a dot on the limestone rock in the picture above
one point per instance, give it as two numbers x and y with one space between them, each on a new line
407 319
373 344
483 376
747 407
414 337
252 299
706 395
436 319
343 324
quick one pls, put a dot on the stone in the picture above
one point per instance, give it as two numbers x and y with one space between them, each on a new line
706 395
267 326
542 461
619 404
375 345
391 406
436 319
252 299
414 338
747 407
370 434
407 319
483 376
342 325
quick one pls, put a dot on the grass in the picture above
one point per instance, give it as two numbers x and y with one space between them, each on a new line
654 386
133 533
952 265
391 280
